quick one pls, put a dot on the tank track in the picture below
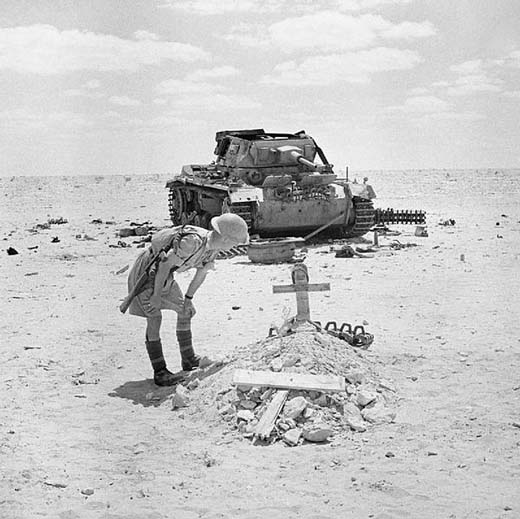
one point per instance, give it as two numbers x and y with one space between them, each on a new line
364 218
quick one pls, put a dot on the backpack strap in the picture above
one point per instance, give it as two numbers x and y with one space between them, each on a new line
175 242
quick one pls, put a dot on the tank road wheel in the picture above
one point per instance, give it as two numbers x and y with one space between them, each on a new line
176 205
364 218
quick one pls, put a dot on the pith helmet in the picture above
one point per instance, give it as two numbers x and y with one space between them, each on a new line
231 226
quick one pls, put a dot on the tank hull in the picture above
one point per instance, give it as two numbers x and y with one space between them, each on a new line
266 215
273 182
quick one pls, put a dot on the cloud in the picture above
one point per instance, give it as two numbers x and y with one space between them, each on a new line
515 94
327 31
422 105
474 76
430 109
124 101
44 49
513 59
409 30
213 73
179 86
23 119
86 90
215 103
93 83
472 84
352 67
207 96
418 91
81 92
468 67
454 116
145 35
223 7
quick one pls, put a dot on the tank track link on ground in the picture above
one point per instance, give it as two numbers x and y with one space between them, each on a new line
364 218
384 216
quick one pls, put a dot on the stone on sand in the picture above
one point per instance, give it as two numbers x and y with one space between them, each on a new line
352 417
317 432
365 396
180 397
355 377
292 437
378 414
294 407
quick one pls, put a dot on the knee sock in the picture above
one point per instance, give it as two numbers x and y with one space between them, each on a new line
184 338
154 349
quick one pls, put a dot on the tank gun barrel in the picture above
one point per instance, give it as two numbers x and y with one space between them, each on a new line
302 160
296 154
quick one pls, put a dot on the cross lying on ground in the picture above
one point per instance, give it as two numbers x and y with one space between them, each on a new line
302 287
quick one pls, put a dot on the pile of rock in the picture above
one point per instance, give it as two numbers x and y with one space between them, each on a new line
297 415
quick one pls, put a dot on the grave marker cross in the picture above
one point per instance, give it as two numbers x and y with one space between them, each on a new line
302 287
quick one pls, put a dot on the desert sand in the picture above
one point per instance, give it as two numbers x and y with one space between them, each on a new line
84 433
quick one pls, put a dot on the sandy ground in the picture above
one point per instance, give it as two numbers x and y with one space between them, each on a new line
84 433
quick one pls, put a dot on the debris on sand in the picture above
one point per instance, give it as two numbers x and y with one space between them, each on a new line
57 221
270 412
348 252
397 245
450 222
11 251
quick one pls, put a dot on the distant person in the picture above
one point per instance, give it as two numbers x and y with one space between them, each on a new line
179 248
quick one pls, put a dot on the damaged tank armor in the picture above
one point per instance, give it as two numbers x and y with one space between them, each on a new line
273 181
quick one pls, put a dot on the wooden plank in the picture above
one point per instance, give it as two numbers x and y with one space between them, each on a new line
303 310
265 425
327 383
324 226
301 287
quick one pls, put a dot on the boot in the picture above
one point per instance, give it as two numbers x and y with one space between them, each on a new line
161 375
164 377
191 363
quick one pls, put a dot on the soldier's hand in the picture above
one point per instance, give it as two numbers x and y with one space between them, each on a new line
189 308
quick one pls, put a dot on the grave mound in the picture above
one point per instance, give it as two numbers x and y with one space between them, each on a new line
290 412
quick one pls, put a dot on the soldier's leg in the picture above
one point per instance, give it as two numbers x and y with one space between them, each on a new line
189 359
162 377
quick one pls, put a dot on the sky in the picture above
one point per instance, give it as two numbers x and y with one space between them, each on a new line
142 86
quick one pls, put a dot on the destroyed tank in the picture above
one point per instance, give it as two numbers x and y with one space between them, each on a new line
280 183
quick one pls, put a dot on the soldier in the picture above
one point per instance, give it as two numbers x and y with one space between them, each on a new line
186 247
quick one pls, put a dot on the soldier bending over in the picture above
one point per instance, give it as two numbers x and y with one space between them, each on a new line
186 247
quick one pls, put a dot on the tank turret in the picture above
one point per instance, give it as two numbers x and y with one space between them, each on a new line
254 155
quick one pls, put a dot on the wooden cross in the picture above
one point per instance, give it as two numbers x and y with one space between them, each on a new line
302 287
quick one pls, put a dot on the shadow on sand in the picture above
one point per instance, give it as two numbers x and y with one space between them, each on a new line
147 394
143 392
